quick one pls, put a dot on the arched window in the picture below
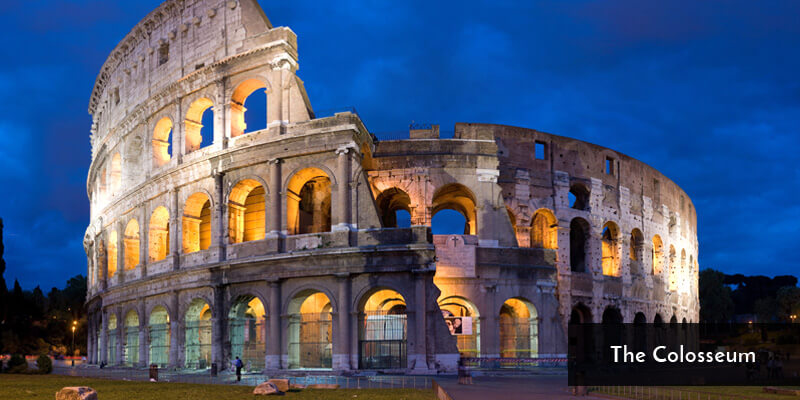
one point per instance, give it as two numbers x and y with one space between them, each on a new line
459 310
578 240
199 124
308 202
248 107
159 336
394 204
246 215
116 174
159 234
580 314
658 255
130 350
131 245
112 254
544 230
310 331
457 198
519 329
636 251
248 332
197 223
197 343
610 241
578 196
382 332
162 138
112 340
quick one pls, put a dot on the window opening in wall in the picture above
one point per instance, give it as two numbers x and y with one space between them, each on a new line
609 166
578 197
163 54
255 118
540 151
115 96
162 139
578 237
449 222
207 131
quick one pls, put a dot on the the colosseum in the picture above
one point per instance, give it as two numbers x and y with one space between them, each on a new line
307 243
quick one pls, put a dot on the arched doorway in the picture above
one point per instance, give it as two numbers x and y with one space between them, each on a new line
519 335
395 207
111 333
197 347
310 331
248 97
196 223
131 348
308 202
460 311
382 335
458 200
580 314
247 332
246 212
159 331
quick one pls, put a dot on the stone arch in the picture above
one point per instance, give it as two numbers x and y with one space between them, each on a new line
242 91
247 211
197 330
658 255
131 243
247 331
115 174
112 253
519 329
310 336
390 202
159 234
111 333
159 329
130 348
612 315
193 124
610 249
196 221
544 229
579 234
579 195
456 197
469 345
581 314
308 201
162 139
383 330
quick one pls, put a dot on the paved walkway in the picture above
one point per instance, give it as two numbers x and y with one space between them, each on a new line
510 388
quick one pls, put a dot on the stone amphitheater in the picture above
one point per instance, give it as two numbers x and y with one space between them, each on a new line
307 243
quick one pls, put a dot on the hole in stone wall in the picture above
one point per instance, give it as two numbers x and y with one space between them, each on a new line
579 196
540 150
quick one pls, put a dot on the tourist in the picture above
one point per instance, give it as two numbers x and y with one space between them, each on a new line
238 364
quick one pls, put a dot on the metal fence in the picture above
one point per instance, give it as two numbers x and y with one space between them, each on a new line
662 393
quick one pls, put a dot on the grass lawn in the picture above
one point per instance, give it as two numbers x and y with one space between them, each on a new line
698 392
45 387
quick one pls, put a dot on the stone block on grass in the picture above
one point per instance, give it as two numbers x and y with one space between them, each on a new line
76 393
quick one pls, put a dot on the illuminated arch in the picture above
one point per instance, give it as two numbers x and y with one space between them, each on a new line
391 202
458 198
193 124
131 242
544 230
382 331
112 254
162 139
238 110
196 223
160 331
159 234
112 336
246 212
519 329
610 249
197 329
658 255
458 307
308 202
310 330
131 345
247 331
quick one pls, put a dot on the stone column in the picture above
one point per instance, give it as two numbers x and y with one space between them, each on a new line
176 334
120 332
222 113
103 356
273 357
175 230
341 342
120 253
218 327
274 214
341 207
89 338
178 130
490 328
417 320
143 336
218 234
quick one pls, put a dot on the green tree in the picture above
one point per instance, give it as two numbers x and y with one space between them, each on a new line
716 304
788 298
766 309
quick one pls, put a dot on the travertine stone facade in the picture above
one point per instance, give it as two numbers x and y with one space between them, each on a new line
282 245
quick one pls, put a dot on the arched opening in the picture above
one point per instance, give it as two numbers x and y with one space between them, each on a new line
111 333
658 255
159 330
112 254
578 241
519 329
246 215
308 202
248 107
199 124
159 234
310 331
580 314
459 312
382 335
673 273
162 139
197 223
544 230
610 248
247 332
131 347
636 251
578 196
458 198
394 205
658 320
639 318
197 347
131 241
612 315
116 174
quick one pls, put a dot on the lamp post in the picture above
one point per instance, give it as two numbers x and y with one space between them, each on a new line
793 316
74 325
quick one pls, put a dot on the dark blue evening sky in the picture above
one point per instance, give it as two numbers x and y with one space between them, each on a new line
707 92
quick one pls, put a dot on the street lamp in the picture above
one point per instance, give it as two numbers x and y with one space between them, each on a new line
74 325
793 316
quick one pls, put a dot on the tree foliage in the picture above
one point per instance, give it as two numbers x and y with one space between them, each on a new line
716 304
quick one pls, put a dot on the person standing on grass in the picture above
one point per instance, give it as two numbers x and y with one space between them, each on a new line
238 364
